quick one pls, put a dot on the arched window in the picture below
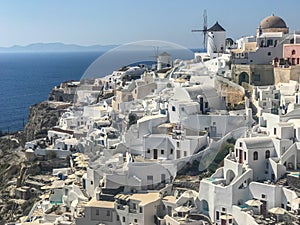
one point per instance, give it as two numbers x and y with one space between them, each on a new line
255 155
267 154
294 52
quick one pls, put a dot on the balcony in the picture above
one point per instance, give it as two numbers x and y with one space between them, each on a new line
131 210
121 207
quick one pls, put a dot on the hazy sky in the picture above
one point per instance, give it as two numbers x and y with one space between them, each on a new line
88 22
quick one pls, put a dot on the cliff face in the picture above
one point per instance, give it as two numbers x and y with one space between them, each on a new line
42 117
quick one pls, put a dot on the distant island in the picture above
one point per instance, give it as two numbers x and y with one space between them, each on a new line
56 47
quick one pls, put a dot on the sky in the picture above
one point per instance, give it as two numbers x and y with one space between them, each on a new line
106 22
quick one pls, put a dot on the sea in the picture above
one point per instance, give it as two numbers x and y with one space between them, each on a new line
28 78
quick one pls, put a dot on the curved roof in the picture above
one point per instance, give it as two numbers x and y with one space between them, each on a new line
272 22
258 142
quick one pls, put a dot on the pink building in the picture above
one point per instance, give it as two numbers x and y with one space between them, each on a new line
291 52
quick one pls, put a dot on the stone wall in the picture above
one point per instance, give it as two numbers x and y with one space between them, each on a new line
284 75
259 75
233 93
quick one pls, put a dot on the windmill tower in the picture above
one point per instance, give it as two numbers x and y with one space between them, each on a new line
204 29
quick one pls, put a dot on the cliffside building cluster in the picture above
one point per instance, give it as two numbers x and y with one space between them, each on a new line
128 135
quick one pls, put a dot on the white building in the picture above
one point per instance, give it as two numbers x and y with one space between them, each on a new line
140 208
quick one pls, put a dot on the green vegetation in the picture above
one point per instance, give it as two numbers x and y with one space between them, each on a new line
218 160
190 169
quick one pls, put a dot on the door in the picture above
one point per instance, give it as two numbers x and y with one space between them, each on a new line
154 153
241 156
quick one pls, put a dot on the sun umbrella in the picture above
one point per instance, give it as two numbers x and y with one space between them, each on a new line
72 176
226 217
277 211
189 194
46 187
182 209
53 178
253 202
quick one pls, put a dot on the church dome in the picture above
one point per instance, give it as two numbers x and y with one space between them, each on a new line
271 22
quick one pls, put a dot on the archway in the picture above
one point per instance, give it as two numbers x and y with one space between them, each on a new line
243 77
229 176
204 206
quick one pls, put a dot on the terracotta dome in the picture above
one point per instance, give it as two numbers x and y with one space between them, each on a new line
272 22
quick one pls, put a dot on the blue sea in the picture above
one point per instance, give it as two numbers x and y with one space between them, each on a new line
27 78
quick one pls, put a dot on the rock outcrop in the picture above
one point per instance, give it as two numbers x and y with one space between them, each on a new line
42 117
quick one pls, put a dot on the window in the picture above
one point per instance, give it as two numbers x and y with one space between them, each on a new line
92 182
107 213
134 206
294 52
141 210
223 209
182 109
274 131
255 155
263 196
173 108
267 154
178 144
269 53
245 155
118 217
162 152
206 105
269 42
185 153
97 212
124 219
148 150
171 151
217 215
135 220
241 144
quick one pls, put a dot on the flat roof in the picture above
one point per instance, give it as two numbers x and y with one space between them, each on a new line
143 198
100 204
147 118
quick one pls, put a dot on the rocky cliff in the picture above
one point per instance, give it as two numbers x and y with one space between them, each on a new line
42 117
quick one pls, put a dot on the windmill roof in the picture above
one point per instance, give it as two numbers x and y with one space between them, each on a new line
216 27
164 54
